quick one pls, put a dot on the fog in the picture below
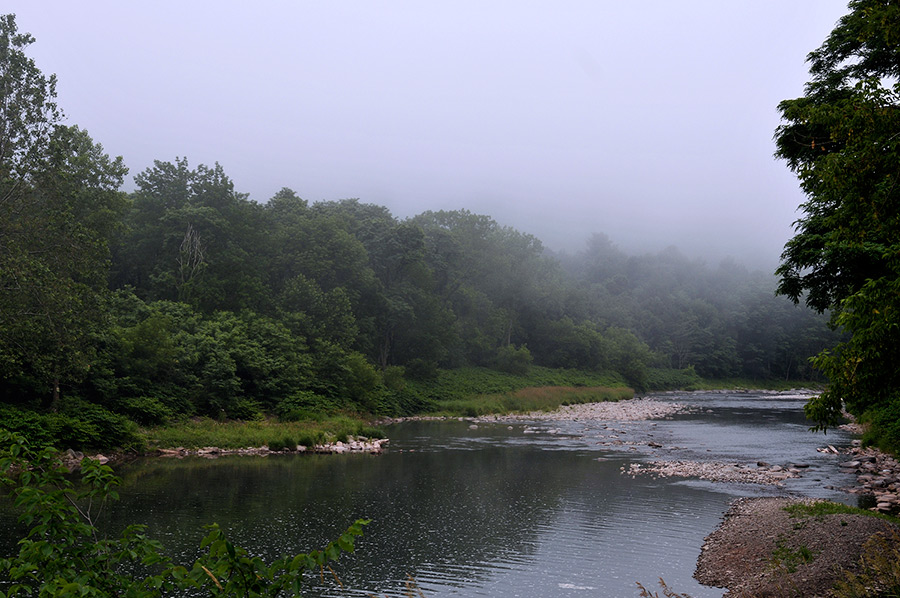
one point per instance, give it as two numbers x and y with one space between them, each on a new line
650 122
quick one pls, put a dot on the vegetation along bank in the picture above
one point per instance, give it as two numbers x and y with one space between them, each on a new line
185 298
186 305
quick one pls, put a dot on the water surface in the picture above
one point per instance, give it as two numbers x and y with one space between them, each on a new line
522 509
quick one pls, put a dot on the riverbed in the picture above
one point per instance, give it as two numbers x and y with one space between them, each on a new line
515 507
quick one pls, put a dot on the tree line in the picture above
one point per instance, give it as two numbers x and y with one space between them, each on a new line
185 296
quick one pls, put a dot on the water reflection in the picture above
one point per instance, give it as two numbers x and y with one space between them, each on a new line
490 511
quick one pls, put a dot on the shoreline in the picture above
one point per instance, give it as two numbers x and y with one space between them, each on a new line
741 555
357 445
762 549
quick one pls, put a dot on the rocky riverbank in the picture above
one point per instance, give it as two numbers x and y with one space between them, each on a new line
627 410
353 445
717 471
72 459
761 549
877 475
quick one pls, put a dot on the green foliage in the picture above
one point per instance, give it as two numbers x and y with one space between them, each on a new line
823 508
514 360
197 433
82 425
303 404
787 558
671 379
64 553
310 439
226 308
283 443
883 423
146 411
879 574
61 204
393 378
464 383
421 369
527 400
840 139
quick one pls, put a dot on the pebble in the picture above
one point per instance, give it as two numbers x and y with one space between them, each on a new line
877 475
714 471
353 445
627 410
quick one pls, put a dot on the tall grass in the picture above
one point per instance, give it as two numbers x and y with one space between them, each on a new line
526 400
201 432
464 383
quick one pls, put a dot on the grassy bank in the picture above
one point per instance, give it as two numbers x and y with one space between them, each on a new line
466 392
661 379
463 392
202 432
751 384
469 382
526 400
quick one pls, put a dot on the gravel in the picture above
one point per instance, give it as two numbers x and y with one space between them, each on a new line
627 410
741 554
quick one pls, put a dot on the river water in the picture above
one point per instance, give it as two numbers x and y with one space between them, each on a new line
513 509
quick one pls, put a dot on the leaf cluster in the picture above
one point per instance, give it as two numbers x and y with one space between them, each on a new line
65 553
842 138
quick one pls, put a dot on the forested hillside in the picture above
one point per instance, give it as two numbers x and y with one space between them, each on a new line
187 297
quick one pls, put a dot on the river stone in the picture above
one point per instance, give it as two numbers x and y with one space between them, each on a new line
800 465
884 506
850 464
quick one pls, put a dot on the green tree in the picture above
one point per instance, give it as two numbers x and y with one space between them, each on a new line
59 203
192 238
28 110
841 139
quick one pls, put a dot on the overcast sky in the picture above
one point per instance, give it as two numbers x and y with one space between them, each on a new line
648 121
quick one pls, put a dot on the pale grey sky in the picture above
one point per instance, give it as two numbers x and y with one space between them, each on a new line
649 121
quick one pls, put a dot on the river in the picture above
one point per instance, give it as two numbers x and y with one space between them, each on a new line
507 509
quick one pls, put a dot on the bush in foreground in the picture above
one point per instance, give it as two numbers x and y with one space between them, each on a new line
64 553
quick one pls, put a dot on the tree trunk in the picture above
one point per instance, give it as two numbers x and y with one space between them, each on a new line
54 401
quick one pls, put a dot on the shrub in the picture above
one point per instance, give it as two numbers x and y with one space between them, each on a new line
311 438
421 369
513 360
62 553
879 570
281 444
30 424
244 409
146 411
884 426
303 405
393 377
672 379
79 425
